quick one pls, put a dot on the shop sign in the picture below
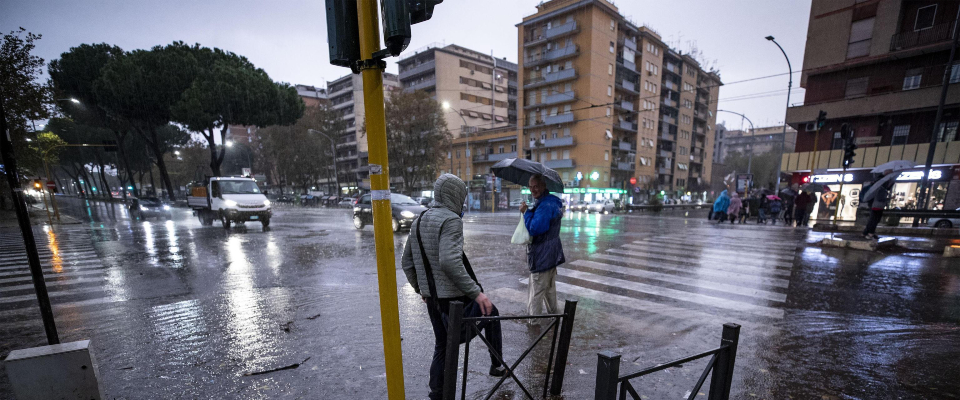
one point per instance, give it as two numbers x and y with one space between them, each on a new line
868 140
833 178
909 176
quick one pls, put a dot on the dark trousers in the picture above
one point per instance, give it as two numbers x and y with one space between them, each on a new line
720 216
788 215
801 214
491 331
872 223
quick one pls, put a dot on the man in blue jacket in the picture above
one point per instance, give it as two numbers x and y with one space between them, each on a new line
544 253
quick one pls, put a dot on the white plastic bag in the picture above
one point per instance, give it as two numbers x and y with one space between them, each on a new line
520 235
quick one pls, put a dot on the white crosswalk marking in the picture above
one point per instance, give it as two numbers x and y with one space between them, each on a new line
702 273
72 271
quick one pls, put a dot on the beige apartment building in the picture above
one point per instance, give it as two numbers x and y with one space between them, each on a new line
610 106
878 66
346 95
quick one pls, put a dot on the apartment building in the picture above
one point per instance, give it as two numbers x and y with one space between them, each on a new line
878 66
600 105
481 91
759 141
346 95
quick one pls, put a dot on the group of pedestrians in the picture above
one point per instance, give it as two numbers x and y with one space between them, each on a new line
791 205
438 269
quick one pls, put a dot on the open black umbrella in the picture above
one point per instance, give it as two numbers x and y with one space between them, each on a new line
519 171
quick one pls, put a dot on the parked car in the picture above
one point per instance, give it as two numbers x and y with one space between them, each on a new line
147 207
284 199
577 205
403 209
424 201
944 222
347 202
515 203
603 205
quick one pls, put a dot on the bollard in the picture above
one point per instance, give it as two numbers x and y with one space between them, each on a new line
454 322
723 369
608 375
563 346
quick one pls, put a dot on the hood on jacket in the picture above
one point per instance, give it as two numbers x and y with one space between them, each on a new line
449 192
735 195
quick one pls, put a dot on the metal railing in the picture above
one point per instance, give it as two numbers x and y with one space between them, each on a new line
721 363
560 324
934 34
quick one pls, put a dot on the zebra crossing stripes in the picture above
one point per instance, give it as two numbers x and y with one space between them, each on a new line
72 271
743 279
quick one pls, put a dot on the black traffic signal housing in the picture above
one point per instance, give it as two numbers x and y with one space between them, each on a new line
396 25
421 10
343 33
821 119
848 146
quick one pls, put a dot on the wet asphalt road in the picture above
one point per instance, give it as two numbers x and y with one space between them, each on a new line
176 310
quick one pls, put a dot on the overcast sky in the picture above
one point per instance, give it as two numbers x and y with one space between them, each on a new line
288 38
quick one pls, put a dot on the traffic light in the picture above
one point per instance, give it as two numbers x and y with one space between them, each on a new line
848 146
396 25
821 119
343 33
37 184
421 10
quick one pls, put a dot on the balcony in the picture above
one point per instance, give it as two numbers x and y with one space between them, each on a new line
626 105
623 145
421 85
552 77
664 171
670 102
672 86
696 159
347 144
630 44
623 166
558 119
699 115
494 157
629 65
665 154
627 86
668 119
559 98
626 125
427 66
672 68
552 55
558 142
935 34
563 29
666 136
556 164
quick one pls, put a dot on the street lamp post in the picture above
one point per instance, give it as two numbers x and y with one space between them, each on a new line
333 149
783 140
466 133
750 156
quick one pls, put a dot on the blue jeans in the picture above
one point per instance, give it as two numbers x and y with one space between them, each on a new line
763 216
491 330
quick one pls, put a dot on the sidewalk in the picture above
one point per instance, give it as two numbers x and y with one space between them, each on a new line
890 230
38 216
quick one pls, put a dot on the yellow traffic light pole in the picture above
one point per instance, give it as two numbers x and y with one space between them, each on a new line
372 74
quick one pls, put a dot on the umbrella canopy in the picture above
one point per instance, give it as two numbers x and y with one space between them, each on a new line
815 187
875 187
897 165
772 197
519 171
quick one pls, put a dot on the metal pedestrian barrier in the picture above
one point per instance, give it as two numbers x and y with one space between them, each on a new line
561 325
721 363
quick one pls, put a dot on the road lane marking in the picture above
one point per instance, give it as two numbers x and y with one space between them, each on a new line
734 277
701 263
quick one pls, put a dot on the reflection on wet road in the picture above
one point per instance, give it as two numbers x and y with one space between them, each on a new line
176 310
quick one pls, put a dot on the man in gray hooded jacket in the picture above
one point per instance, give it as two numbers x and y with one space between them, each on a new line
435 244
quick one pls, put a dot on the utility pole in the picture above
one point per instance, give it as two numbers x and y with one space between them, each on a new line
924 197
371 69
333 149
23 218
789 87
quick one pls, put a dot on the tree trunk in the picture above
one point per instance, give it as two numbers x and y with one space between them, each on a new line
215 160
103 176
161 166
126 164
153 183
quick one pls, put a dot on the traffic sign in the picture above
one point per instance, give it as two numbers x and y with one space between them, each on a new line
52 185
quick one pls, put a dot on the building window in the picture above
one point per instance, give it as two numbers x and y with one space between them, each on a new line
500 150
613 25
613 48
458 156
949 134
900 134
925 17
609 112
610 69
912 78
609 90
566 154
955 73
606 155
513 148
449 155
856 87
837 141
860 34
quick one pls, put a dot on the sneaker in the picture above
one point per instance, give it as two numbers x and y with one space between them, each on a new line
498 371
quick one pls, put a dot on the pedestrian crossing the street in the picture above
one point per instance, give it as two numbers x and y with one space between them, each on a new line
72 271
701 274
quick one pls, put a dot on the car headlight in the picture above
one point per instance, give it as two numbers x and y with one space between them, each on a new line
229 203
406 214
166 207
266 203
142 208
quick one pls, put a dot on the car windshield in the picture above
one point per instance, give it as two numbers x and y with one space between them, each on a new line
150 201
402 200
239 187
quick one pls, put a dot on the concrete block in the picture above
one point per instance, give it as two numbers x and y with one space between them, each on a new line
859 244
60 371
951 251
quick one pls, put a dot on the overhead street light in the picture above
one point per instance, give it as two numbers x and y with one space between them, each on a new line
783 142
446 106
